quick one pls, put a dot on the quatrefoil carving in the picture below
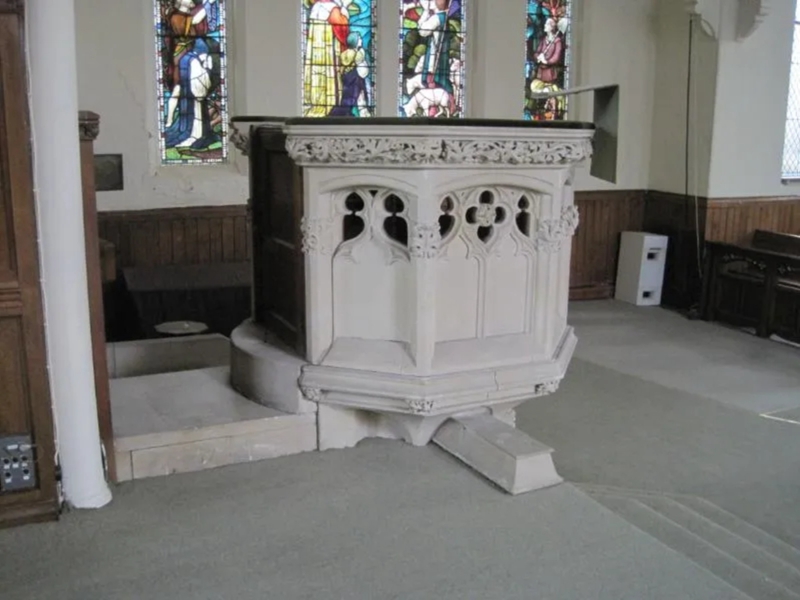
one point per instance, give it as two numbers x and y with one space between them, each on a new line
486 216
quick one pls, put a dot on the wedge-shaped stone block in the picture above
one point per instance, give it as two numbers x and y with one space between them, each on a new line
504 455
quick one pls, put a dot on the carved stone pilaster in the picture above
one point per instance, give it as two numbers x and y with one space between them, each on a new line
89 125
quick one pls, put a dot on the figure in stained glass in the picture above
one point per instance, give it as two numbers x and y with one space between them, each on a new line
432 63
338 64
547 58
191 80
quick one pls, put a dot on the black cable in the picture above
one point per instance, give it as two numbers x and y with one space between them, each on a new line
688 113
690 60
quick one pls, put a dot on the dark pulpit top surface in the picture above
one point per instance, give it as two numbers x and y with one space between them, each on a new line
417 121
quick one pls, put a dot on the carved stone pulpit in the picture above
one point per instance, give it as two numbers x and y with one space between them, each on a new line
412 281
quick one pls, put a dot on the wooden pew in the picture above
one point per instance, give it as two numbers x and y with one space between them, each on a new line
755 285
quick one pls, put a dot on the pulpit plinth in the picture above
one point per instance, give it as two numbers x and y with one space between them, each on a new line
429 262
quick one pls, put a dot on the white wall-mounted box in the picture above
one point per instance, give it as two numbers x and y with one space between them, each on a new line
640 274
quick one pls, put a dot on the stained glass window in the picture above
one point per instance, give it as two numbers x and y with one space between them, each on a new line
791 145
338 58
432 58
192 89
547 58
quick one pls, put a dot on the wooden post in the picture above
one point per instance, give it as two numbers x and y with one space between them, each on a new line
89 130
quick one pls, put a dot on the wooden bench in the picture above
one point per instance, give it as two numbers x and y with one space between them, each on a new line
215 294
755 285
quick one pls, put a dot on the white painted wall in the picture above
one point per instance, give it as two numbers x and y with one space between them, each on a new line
750 111
668 150
738 105
614 43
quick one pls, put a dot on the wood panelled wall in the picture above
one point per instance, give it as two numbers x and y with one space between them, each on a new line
604 216
689 223
178 236
735 220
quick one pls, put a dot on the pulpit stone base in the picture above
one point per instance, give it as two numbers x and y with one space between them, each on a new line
507 457
267 372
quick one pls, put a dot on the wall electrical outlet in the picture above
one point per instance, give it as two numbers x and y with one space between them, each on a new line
17 468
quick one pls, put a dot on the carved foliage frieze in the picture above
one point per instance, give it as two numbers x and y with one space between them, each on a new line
382 150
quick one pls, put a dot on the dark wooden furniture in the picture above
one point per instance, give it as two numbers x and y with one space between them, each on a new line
755 285
276 207
25 405
89 127
215 294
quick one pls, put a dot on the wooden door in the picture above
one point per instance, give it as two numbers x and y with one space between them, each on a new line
25 406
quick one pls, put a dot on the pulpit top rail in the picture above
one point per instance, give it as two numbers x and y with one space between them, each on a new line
415 122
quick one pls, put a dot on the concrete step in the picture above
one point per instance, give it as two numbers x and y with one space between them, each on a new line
166 355
193 420
747 563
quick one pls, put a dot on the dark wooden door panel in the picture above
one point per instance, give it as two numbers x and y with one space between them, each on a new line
25 406
14 417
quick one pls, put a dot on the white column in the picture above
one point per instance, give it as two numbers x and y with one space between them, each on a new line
54 115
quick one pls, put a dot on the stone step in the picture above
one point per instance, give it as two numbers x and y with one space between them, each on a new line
193 420
743 564
766 541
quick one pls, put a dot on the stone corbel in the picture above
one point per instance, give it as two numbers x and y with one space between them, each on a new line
718 19
751 14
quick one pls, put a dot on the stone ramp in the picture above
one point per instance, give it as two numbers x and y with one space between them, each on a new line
748 558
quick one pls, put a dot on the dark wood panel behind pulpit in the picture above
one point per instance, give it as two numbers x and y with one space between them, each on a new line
276 210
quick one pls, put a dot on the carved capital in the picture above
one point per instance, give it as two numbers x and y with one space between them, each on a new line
88 125
240 141
317 235
548 387
425 240
421 406
312 394
552 233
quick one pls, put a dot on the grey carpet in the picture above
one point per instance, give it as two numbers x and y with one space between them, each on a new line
614 429
705 359
383 521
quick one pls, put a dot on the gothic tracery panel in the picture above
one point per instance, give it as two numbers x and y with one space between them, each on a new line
433 57
192 88
547 58
338 58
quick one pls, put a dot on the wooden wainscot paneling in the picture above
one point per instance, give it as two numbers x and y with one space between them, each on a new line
733 220
604 215
689 222
178 236
683 220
